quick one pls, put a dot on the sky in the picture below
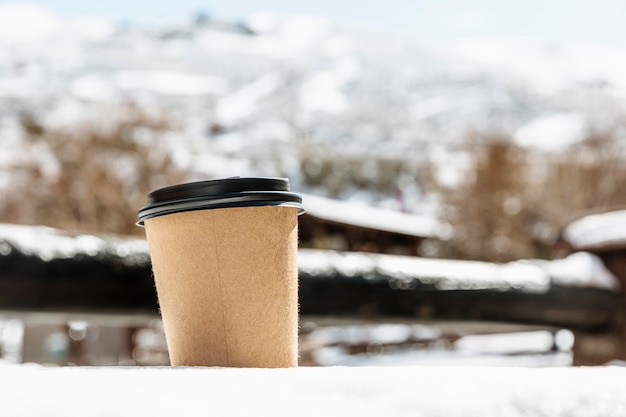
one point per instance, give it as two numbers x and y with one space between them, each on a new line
553 22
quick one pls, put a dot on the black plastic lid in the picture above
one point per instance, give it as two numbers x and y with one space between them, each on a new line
222 193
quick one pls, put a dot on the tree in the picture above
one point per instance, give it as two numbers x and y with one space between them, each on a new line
94 179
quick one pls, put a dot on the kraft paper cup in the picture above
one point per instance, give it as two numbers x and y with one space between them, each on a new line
224 262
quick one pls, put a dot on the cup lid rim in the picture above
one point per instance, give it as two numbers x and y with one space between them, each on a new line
219 193
207 188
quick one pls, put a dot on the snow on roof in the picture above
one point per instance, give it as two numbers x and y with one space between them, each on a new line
597 231
372 217
403 272
410 272
48 243
581 269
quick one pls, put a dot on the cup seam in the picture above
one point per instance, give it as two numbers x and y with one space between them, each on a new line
219 280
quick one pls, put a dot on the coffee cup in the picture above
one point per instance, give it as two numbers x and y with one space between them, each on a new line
224 259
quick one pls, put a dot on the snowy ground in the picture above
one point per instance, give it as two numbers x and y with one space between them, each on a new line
336 391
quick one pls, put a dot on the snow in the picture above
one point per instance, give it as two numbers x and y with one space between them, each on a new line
533 349
17 87
94 87
69 111
11 340
430 107
23 23
446 358
440 343
511 343
580 269
378 333
520 59
48 243
334 391
98 87
322 92
598 231
550 69
295 31
595 62
170 82
406 272
91 28
243 102
552 132
371 217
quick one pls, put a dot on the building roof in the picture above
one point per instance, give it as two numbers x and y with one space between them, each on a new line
48 243
579 269
410 272
598 231
368 217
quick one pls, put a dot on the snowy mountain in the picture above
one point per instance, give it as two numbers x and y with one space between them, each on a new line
260 97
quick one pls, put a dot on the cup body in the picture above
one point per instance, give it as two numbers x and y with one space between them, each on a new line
226 280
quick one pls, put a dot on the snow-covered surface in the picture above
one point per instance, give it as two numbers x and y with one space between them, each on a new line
371 217
407 272
548 68
42 24
48 243
553 132
334 391
410 272
580 269
97 87
598 231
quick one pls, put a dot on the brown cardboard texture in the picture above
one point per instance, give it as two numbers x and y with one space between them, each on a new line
227 285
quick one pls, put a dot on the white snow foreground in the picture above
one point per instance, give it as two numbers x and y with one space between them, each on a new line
335 391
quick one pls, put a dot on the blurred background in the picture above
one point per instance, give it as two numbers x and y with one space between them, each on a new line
451 131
